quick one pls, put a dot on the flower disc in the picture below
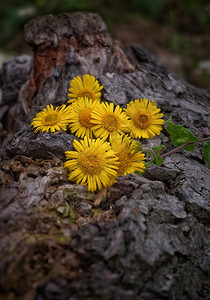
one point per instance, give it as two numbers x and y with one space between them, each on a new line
129 160
81 117
87 87
146 121
51 120
108 121
93 163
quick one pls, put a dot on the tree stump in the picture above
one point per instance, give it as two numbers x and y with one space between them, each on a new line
149 238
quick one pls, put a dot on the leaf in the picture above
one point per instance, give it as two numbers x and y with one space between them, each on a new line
139 173
206 152
190 147
154 153
148 164
157 149
180 135
151 154
159 161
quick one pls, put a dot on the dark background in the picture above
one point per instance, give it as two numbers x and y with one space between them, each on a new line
175 31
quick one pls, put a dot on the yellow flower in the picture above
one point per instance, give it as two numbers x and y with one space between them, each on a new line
93 163
146 121
129 160
88 87
109 121
81 116
51 120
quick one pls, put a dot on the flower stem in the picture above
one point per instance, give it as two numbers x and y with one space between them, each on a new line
183 146
149 151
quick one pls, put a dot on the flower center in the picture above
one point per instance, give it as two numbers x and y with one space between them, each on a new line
125 159
110 122
142 120
51 119
85 117
87 93
91 162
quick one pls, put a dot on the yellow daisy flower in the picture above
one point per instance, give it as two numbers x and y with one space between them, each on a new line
88 87
93 163
51 120
129 160
109 121
81 116
146 121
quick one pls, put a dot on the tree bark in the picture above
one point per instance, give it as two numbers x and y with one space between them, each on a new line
149 238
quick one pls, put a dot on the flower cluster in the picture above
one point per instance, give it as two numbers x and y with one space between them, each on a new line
108 147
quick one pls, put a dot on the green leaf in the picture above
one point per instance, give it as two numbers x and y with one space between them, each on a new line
206 152
139 173
148 164
190 147
159 161
157 149
151 154
180 135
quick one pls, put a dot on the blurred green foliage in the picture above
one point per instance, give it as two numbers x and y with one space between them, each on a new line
182 15
185 21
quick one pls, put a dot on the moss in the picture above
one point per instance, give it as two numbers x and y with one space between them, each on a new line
65 211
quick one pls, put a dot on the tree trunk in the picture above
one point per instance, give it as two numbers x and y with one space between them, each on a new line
149 238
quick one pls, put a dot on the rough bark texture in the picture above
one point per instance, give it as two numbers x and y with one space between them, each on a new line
149 238
13 75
